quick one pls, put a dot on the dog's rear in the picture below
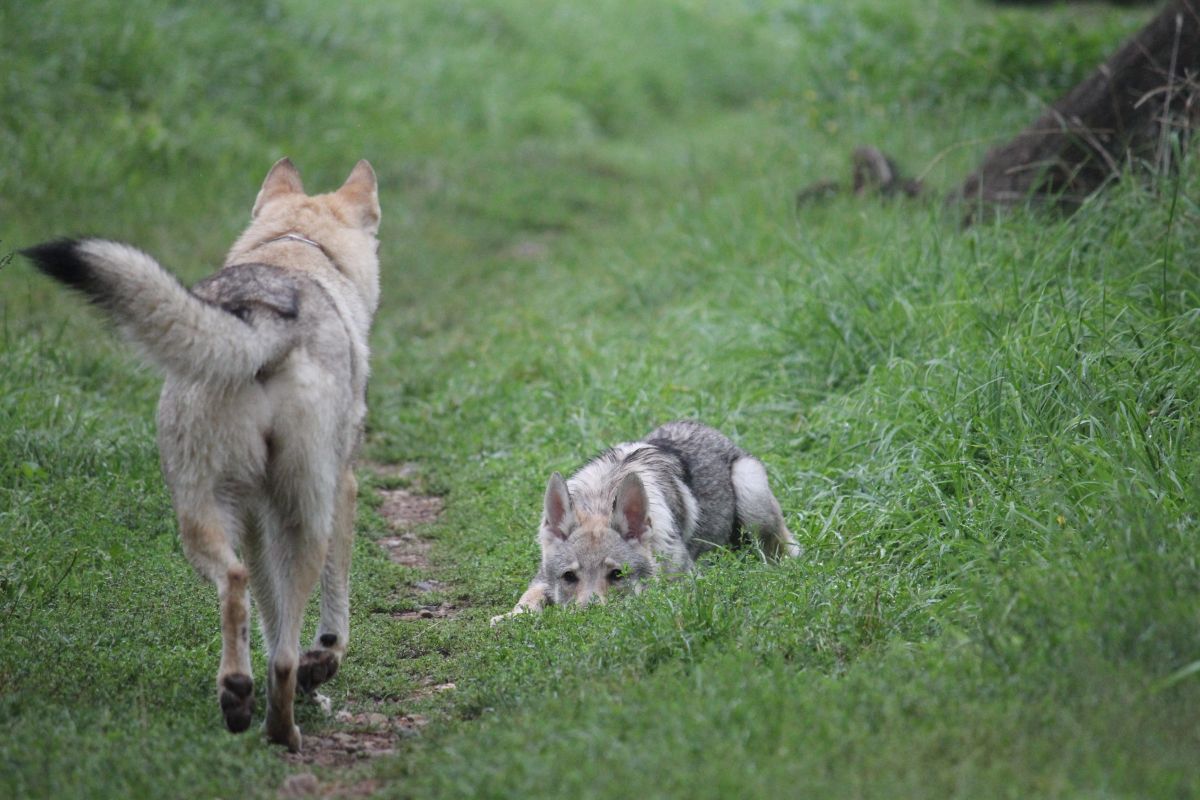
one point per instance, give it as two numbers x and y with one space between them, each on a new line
730 487
261 415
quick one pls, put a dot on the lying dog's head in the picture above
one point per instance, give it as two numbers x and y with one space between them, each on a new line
586 555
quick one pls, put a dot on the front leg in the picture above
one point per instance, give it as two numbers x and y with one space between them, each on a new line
536 597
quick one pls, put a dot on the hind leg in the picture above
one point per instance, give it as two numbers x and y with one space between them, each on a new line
207 545
321 662
758 511
291 560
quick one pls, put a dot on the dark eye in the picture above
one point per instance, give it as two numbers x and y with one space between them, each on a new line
570 577
616 575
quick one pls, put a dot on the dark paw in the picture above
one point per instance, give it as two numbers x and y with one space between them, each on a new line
316 667
237 701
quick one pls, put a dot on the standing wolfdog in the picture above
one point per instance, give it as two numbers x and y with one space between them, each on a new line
261 415
682 490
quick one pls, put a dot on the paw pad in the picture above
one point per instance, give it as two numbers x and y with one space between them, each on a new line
316 667
237 701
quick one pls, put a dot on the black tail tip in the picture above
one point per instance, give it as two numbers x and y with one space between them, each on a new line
60 260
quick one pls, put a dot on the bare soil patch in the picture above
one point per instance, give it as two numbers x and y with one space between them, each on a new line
370 734
408 550
432 611
430 687
367 735
405 511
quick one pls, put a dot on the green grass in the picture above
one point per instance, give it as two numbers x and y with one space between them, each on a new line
984 439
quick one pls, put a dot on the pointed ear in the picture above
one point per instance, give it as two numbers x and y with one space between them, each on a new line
631 509
557 508
283 179
362 191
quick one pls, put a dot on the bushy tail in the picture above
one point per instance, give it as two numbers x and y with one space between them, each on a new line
173 328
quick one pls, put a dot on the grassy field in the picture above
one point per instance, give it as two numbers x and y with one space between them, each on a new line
986 440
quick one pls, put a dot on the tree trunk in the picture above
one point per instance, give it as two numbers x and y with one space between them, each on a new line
1122 113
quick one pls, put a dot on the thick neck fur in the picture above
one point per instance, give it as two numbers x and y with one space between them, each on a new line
314 218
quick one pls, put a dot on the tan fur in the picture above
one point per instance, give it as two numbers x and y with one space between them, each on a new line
281 446
261 415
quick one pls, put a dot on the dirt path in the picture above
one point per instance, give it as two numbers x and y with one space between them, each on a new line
370 734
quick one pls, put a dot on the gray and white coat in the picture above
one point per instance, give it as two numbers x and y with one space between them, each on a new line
651 506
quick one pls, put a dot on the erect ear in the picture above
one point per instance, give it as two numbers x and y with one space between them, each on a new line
557 508
361 190
631 509
283 179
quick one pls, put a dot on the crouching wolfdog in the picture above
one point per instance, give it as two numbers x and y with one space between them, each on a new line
684 489
261 415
